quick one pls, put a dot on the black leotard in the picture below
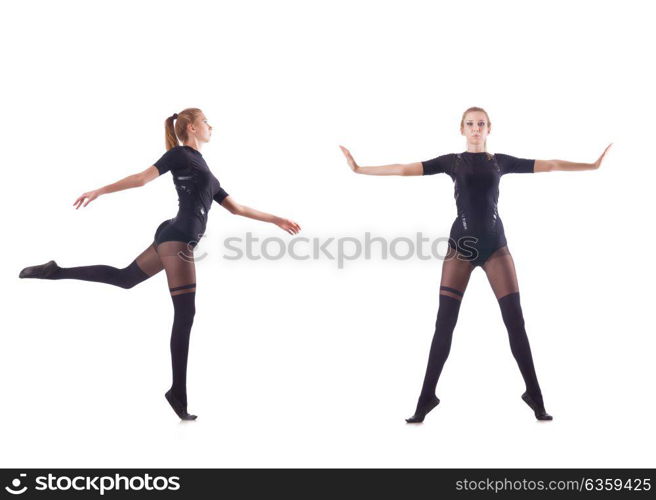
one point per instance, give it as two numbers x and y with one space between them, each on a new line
196 187
477 231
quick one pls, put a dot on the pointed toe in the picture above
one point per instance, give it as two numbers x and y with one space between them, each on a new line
43 271
423 410
415 419
538 408
179 407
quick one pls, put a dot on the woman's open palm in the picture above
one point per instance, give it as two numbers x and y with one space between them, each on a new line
349 158
597 164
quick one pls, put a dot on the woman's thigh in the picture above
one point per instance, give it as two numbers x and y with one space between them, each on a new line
500 271
178 260
455 275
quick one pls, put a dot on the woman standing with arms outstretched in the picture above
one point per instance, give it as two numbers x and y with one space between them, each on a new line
477 239
174 240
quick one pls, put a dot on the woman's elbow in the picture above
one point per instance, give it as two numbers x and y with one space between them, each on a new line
142 179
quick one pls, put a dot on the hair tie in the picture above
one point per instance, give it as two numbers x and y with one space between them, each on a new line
175 115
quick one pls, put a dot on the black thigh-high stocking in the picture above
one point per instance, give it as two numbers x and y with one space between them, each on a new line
184 310
500 270
455 276
511 312
140 269
178 260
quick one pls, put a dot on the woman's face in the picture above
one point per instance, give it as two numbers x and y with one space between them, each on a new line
201 129
475 127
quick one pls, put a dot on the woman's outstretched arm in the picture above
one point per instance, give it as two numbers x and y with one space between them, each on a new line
551 165
393 169
235 208
131 181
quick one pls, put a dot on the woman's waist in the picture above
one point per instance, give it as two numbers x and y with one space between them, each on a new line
187 220
196 207
477 225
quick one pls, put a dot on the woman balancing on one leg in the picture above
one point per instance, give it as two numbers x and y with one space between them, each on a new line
477 239
175 239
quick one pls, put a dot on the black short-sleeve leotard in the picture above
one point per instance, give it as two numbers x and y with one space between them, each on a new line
196 187
477 230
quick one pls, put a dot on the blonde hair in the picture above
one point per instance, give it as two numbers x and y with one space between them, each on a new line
487 117
179 130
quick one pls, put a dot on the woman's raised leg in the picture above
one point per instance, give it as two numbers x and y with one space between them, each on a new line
145 265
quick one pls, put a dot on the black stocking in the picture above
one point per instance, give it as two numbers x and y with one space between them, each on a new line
500 271
178 260
455 276
140 269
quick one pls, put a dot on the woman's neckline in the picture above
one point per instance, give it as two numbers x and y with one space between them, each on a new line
194 150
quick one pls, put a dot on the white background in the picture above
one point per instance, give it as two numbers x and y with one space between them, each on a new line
297 363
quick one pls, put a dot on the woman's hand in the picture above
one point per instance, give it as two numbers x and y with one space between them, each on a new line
349 158
290 226
597 164
89 196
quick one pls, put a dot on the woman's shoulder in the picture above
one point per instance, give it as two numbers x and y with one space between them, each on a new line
182 153
173 159
445 156
503 156
174 150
